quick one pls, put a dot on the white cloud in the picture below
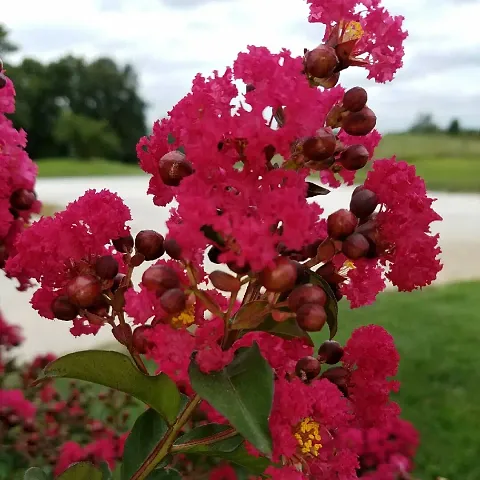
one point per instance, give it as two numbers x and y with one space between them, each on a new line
169 41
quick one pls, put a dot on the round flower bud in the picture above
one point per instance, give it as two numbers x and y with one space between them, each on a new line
306 294
354 157
321 62
22 199
173 301
3 80
63 309
330 352
172 248
307 368
280 277
341 224
355 246
139 341
355 99
329 82
363 203
224 281
339 376
311 317
160 277
320 147
359 123
106 267
123 244
83 290
150 244
173 167
123 333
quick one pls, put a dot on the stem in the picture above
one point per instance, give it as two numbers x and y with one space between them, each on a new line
207 302
135 356
231 432
164 446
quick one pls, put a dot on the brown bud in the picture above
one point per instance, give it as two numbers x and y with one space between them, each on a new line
363 203
3 80
83 290
22 199
160 277
306 294
63 309
150 244
359 123
338 376
137 260
321 146
321 62
139 341
311 317
329 82
224 281
280 277
341 224
123 244
173 301
355 246
106 267
172 248
330 352
354 157
307 368
355 99
123 333
173 167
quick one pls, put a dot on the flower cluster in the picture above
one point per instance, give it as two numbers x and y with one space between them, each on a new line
18 200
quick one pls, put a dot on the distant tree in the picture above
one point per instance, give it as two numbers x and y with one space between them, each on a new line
424 124
6 46
454 127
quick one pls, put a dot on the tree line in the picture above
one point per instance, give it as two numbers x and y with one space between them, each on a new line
75 108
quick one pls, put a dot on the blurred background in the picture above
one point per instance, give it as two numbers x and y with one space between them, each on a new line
92 76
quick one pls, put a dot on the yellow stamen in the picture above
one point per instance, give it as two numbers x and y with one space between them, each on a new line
351 31
349 264
184 319
308 437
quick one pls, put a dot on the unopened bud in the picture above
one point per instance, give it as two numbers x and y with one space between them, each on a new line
22 199
150 244
83 290
280 277
354 157
321 146
307 368
106 267
363 203
172 248
63 309
341 224
355 99
224 281
173 301
320 62
3 80
339 376
140 341
359 123
123 244
306 294
160 277
355 246
173 167
123 333
311 317
330 352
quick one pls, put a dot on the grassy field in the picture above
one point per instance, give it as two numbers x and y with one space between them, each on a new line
437 332
68 167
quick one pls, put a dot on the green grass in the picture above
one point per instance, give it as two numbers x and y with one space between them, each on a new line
69 167
437 333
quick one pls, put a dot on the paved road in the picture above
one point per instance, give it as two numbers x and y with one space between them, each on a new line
460 234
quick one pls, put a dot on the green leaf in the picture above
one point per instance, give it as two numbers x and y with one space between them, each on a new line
170 139
288 329
106 473
164 474
242 392
115 370
240 456
81 471
249 316
148 430
331 307
189 442
35 473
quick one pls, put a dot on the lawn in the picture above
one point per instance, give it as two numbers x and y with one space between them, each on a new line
68 167
437 332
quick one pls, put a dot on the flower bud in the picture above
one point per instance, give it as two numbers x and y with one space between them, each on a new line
173 301
363 203
136 260
83 290
22 199
173 167
306 294
307 368
311 317
359 123
321 146
355 99
106 267
123 244
172 248
355 246
123 333
341 224
3 80
150 244
224 281
160 277
280 277
139 341
339 376
354 157
63 309
330 352
321 62
213 254
329 82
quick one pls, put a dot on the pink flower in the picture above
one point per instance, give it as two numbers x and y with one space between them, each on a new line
70 452
223 472
10 335
15 401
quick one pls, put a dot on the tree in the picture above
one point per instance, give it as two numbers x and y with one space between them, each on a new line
6 46
424 124
454 127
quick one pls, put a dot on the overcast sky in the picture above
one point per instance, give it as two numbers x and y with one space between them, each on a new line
169 41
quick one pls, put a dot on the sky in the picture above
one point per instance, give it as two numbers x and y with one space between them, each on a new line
169 41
